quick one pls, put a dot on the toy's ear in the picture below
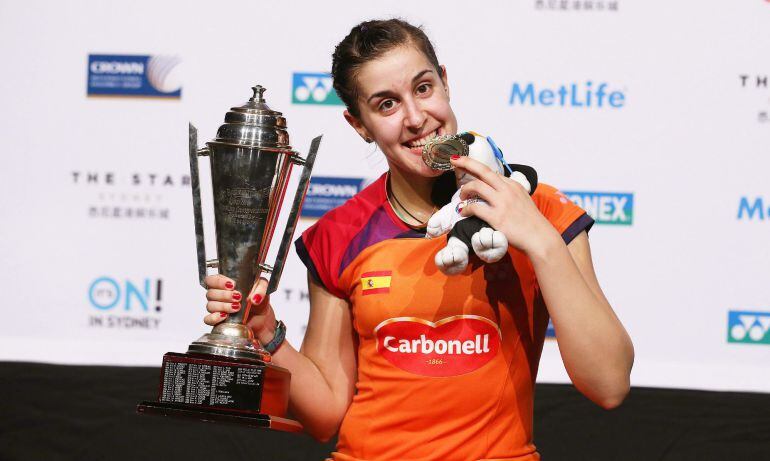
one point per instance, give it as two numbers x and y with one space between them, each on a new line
528 172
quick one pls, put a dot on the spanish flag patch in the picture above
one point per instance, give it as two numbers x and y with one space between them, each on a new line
375 282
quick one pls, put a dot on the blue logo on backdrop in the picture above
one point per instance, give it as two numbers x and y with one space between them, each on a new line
123 303
313 88
605 207
134 75
326 193
753 209
748 327
584 96
550 332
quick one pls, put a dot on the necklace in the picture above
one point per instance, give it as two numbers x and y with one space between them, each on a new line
421 224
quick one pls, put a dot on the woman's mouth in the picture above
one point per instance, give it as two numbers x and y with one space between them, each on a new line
415 146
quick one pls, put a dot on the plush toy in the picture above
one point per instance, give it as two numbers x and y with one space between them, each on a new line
471 232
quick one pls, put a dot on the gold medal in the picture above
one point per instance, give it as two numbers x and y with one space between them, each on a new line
439 150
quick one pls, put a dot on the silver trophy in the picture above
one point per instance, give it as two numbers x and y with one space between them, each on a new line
226 375
251 163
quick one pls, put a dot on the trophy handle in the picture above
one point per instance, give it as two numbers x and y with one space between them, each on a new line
276 269
196 195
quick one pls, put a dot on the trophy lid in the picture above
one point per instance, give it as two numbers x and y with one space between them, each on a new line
254 124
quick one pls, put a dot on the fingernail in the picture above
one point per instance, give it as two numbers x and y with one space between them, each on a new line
223 314
236 306
236 296
229 285
455 157
257 299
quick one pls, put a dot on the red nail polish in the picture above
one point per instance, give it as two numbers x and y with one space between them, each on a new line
229 285
257 299
236 306
455 157
236 296
223 314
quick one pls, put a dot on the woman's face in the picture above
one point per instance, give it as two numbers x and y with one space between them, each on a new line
403 103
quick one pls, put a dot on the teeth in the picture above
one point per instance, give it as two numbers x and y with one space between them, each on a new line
422 141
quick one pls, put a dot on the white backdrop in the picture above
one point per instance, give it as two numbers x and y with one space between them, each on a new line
684 266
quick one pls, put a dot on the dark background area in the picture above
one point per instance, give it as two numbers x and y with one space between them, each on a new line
50 412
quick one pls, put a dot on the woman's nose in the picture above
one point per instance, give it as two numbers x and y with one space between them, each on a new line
414 116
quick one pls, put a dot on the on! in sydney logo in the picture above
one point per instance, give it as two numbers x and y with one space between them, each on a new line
748 327
314 88
124 303
605 207
134 75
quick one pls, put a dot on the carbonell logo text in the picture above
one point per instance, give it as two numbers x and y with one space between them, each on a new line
117 67
479 345
449 347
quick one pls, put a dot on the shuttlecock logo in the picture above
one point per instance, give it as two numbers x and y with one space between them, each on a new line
313 88
748 327
163 73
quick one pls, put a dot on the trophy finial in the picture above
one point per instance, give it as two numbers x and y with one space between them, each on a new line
258 91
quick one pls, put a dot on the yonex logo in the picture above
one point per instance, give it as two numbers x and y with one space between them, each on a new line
605 207
313 88
748 327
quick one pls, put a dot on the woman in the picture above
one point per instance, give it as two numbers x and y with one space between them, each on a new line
408 363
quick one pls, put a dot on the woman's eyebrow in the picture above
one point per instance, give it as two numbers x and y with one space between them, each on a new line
388 92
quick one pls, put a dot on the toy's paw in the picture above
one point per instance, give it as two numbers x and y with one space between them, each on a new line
441 221
434 227
452 259
490 245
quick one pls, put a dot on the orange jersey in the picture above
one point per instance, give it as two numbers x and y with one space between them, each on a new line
446 364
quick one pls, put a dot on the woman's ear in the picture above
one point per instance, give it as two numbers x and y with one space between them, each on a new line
444 79
357 125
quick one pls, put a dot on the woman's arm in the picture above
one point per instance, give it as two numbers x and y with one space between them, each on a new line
323 371
596 350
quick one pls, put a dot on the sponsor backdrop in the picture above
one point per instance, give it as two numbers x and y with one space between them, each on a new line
653 116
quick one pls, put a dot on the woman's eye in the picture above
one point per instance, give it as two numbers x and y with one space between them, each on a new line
387 104
423 88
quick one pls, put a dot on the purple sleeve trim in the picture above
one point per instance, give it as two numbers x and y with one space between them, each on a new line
304 255
583 223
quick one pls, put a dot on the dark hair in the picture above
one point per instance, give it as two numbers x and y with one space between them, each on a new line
370 40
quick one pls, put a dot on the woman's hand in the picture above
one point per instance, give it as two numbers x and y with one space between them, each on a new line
224 299
508 208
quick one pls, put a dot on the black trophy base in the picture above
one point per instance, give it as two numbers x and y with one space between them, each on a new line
244 419
215 388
